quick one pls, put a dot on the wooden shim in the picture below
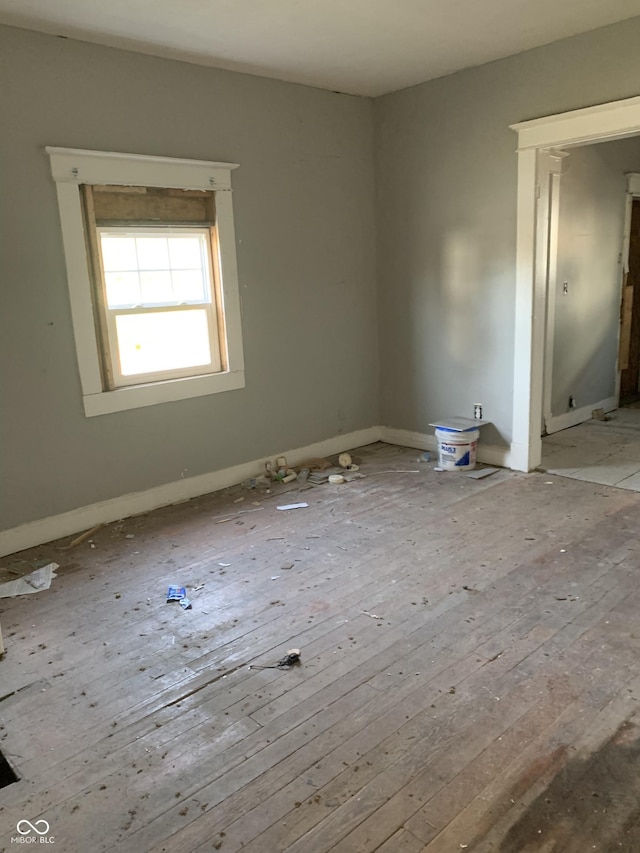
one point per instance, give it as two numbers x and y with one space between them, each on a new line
83 536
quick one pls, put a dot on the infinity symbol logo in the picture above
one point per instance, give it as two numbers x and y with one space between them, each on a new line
32 827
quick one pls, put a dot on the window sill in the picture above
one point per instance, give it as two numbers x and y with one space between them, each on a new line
137 396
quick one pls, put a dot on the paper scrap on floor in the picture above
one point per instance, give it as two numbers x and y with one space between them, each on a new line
34 581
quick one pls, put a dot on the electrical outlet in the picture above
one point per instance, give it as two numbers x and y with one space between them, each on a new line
477 411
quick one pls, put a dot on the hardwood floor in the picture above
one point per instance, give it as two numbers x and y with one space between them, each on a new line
470 676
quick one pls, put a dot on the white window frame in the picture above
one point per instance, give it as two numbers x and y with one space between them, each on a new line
208 305
73 167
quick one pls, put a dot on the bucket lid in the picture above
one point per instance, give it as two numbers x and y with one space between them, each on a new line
458 424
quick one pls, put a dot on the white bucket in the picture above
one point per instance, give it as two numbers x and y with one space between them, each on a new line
457 449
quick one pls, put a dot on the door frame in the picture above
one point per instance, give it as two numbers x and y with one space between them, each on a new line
549 209
633 193
613 120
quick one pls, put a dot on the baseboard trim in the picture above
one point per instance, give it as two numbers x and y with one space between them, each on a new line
487 453
67 523
555 423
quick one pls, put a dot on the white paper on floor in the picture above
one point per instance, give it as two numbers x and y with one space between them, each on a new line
35 581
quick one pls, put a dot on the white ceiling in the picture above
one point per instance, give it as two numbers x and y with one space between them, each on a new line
364 47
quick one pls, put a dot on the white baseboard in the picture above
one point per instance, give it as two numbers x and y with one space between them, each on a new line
406 438
69 523
519 459
487 453
554 423
83 518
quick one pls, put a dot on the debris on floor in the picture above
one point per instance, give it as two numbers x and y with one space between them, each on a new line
599 415
373 615
176 593
291 658
185 603
221 519
318 478
315 464
23 578
83 536
294 506
313 472
403 471
256 483
481 473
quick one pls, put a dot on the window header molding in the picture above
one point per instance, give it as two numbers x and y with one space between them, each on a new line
78 166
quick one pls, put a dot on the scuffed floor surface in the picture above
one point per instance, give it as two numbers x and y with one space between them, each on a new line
470 672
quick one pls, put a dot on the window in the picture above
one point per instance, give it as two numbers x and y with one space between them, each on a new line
150 252
158 306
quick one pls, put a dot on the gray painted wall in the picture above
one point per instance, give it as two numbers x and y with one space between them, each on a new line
446 193
441 329
590 235
304 213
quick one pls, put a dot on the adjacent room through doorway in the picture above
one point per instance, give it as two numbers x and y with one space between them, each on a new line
591 400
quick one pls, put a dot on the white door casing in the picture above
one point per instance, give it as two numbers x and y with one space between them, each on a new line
549 164
613 120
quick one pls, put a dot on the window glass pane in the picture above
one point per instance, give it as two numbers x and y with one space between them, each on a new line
153 253
118 253
156 287
167 340
188 286
123 288
186 252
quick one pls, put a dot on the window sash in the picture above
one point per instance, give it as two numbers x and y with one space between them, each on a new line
122 380
129 230
110 349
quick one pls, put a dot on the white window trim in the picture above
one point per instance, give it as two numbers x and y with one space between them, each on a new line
71 168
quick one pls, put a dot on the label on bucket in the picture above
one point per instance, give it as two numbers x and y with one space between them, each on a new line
456 451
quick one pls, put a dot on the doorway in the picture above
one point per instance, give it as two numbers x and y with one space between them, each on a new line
598 267
614 120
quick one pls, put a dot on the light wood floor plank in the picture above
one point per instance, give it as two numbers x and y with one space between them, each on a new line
466 645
